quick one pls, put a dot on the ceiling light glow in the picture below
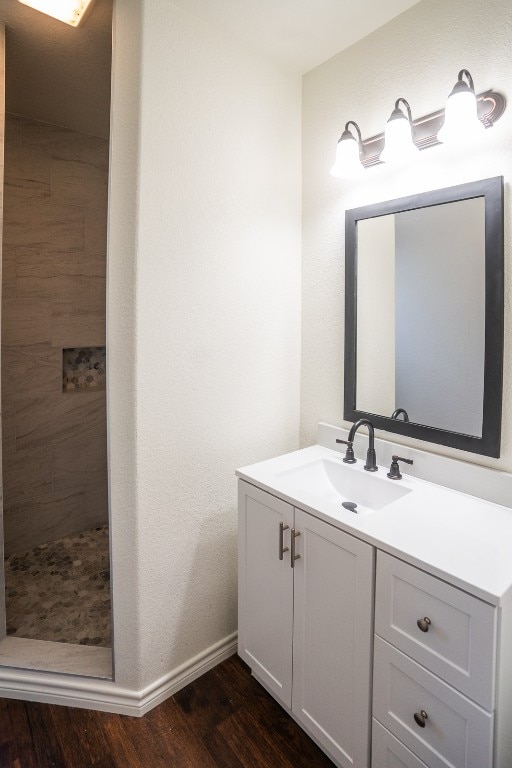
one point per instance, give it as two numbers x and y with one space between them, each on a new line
69 11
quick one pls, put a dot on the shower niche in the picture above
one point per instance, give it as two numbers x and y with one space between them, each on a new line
84 369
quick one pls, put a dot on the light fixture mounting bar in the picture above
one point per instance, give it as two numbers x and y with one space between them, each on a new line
490 106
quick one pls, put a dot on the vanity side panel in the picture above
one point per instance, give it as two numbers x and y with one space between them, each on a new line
503 716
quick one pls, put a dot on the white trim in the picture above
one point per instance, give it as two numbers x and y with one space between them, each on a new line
174 681
106 696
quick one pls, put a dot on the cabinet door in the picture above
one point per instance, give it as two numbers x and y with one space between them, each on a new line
332 639
265 589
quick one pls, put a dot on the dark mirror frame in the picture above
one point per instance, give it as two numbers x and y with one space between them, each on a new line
492 190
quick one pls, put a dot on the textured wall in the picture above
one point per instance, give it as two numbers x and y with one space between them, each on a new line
53 285
218 308
416 56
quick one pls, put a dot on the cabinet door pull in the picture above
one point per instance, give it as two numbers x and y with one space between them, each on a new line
420 718
294 557
424 624
282 549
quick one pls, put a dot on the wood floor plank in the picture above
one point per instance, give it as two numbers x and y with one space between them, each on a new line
170 728
18 732
120 747
290 737
143 742
253 747
78 734
45 742
225 719
287 735
106 762
220 750
206 702
8 755
183 741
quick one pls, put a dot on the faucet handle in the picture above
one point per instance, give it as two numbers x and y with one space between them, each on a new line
349 453
394 470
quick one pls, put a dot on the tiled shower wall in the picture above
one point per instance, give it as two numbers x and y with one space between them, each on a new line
53 297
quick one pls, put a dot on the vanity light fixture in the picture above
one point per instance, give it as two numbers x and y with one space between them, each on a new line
461 121
458 121
398 140
69 11
348 154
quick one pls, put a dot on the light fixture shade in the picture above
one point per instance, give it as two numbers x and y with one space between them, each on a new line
398 142
347 163
461 121
69 11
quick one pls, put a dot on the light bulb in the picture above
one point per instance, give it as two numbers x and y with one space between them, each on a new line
461 121
348 164
398 142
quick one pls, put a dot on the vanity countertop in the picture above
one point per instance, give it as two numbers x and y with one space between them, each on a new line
461 538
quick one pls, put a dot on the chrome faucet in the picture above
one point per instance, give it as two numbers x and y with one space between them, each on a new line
371 459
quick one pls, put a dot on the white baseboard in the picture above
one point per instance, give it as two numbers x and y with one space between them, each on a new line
173 682
104 695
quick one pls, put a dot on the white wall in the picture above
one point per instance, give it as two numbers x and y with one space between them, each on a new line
213 333
417 56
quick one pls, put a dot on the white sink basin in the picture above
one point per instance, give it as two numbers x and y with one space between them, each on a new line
330 480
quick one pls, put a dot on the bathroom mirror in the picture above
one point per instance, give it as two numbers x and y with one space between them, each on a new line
424 315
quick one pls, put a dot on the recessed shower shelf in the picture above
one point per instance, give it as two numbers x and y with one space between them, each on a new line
83 369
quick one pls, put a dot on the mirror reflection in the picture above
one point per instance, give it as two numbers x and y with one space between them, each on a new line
421 273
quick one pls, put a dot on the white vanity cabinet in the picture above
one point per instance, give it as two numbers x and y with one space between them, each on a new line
395 623
312 615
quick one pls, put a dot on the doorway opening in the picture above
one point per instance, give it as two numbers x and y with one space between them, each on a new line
54 421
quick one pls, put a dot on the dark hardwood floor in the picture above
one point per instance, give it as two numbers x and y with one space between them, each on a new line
225 719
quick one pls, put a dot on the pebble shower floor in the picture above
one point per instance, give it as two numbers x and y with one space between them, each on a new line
60 591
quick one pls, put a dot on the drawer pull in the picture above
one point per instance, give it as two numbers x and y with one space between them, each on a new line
420 718
424 624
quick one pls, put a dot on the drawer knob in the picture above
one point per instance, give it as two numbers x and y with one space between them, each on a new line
420 718
424 624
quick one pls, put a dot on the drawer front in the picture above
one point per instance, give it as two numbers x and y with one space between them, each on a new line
456 734
388 752
460 638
